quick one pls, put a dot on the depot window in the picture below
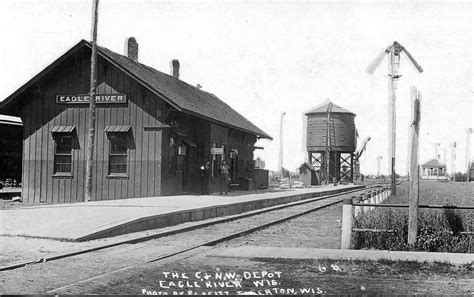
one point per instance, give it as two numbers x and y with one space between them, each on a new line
118 153
63 153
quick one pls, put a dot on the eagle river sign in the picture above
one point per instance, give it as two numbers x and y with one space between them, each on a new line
99 98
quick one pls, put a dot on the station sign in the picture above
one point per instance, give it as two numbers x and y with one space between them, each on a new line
85 98
217 150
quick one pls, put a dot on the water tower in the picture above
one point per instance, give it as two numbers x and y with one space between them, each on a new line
331 142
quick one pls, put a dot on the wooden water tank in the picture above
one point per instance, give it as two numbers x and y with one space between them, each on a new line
342 130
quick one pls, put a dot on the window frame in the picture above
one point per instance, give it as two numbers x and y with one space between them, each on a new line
124 136
56 137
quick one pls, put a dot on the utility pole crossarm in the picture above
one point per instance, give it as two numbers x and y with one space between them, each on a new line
413 61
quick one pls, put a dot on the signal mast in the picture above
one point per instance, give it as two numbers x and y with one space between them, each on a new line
393 51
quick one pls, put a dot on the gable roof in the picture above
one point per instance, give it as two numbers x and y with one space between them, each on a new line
177 93
328 106
307 164
433 163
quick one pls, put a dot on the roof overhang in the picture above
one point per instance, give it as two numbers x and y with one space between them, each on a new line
10 120
6 105
258 135
62 129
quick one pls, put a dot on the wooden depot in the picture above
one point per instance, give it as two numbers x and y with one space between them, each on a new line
152 131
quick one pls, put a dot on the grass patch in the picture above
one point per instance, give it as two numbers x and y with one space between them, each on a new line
438 230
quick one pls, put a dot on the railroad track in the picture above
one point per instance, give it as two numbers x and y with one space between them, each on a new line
209 233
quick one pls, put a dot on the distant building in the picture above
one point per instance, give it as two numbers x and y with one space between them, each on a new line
308 174
433 170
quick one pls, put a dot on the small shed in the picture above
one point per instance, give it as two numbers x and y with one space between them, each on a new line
433 170
308 174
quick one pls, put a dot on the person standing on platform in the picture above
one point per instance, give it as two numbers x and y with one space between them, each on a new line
204 173
224 177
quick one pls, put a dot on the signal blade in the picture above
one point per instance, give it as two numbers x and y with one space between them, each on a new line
412 60
371 68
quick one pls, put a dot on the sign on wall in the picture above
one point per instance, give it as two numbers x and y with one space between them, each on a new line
84 98
217 150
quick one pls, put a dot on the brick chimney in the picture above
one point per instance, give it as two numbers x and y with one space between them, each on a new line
131 48
175 65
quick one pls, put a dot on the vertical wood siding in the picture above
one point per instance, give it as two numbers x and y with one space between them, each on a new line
40 112
240 141
341 130
197 131
148 152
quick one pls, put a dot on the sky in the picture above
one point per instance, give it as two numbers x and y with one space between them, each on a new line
264 58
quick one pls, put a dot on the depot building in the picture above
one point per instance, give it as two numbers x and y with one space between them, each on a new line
152 131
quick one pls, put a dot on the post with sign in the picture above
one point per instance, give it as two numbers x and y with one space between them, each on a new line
414 170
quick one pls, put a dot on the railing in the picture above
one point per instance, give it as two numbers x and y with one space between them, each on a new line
364 202
368 200
353 207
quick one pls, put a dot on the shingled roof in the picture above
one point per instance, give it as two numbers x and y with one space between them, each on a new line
433 163
181 95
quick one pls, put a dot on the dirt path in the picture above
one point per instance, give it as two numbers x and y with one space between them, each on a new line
295 277
321 229
200 272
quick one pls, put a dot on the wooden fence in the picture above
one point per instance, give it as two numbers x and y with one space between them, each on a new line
353 207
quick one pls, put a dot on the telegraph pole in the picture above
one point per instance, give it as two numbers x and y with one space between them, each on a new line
93 86
468 152
393 51
453 159
436 147
379 158
393 64
445 153
280 153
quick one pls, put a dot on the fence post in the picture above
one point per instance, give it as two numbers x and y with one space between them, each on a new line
356 208
414 170
346 236
366 201
371 199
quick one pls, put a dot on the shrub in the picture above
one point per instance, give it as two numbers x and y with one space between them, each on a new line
454 221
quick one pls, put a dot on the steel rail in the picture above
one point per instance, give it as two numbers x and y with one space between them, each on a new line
206 244
181 230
